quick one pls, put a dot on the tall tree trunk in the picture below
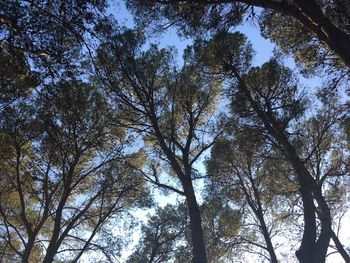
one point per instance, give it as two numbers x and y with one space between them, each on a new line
310 15
53 245
308 243
267 237
312 250
309 185
197 236
258 212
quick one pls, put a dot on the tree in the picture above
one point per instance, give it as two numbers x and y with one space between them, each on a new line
326 21
275 120
39 29
221 225
63 174
162 235
323 147
309 53
93 114
237 169
171 109
266 98
166 238
244 167
42 39
16 80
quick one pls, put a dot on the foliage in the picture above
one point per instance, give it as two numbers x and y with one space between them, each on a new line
64 172
166 237
316 34
93 116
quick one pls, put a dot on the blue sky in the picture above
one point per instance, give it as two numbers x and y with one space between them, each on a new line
263 47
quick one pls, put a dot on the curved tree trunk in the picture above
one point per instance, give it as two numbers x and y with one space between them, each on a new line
310 15
312 249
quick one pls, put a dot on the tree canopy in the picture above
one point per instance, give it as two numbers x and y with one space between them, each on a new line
114 150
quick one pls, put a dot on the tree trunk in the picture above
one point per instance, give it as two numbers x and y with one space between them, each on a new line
54 244
267 237
305 253
51 250
311 15
258 211
307 13
197 236
340 248
311 191
28 250
312 250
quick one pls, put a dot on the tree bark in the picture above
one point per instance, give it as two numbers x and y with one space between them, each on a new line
311 15
259 213
184 175
53 245
197 236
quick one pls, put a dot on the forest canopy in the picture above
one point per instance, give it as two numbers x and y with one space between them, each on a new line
113 149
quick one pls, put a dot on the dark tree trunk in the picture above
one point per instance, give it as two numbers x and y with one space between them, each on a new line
197 236
54 244
311 191
267 237
308 243
340 248
312 250
257 208
28 250
311 15
52 249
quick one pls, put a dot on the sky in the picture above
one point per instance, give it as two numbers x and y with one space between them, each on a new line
264 51
263 47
